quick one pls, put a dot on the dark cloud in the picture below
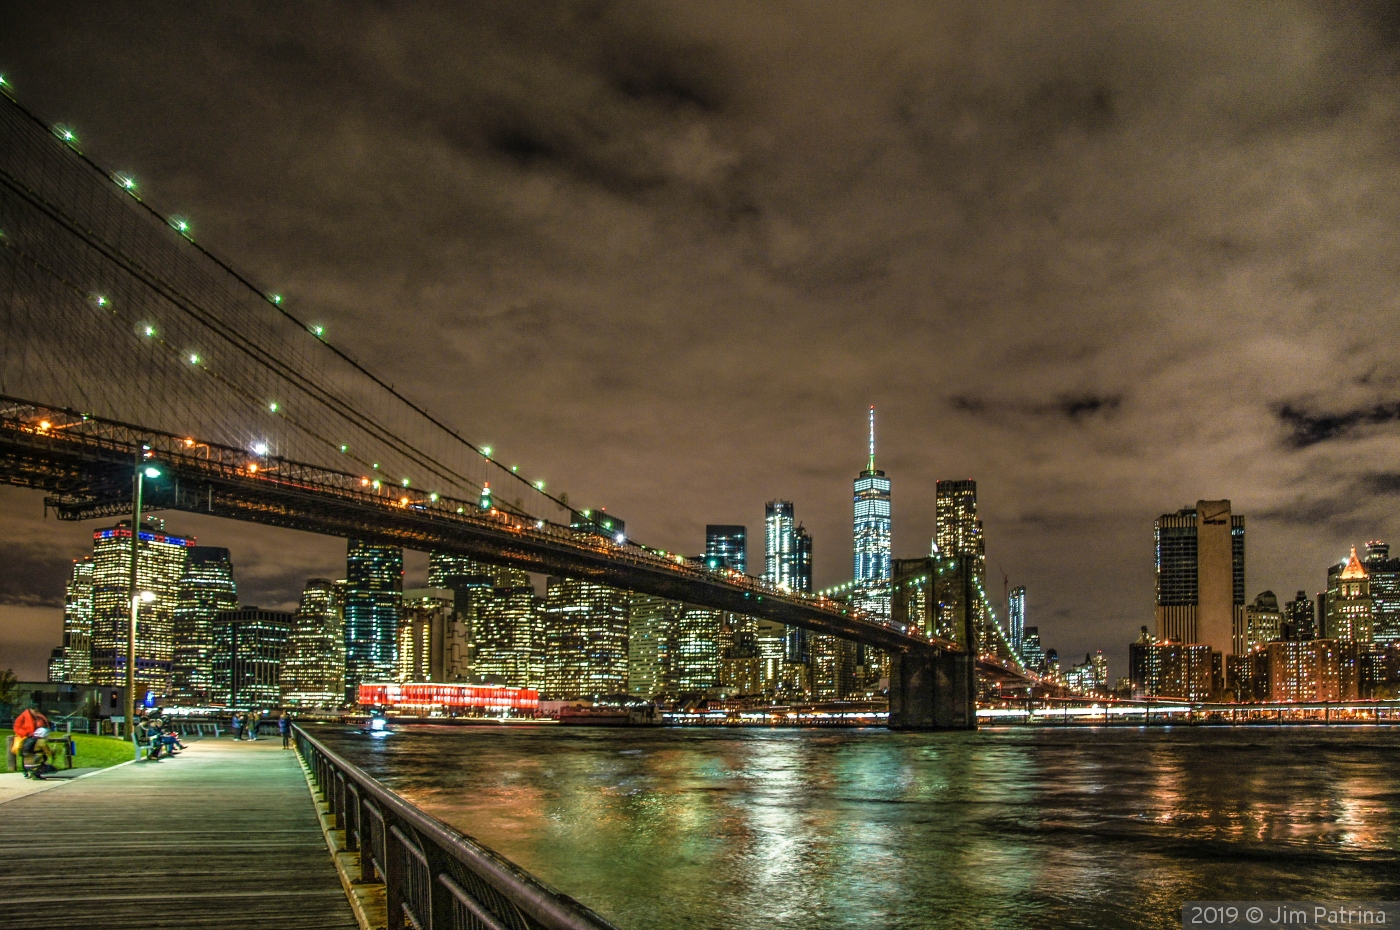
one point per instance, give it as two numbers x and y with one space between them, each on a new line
34 574
1105 259
1309 428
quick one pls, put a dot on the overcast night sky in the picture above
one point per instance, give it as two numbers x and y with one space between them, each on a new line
1106 259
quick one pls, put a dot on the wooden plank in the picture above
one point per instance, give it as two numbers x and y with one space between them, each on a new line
224 835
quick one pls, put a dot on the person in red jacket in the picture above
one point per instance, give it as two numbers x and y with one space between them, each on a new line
26 723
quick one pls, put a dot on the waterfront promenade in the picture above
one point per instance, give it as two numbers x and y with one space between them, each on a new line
224 835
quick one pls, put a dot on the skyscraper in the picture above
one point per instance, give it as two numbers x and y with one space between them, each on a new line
159 569
249 646
779 540
507 630
1263 621
373 591
425 624
958 531
871 592
1200 576
1350 616
585 639
1300 619
1016 618
727 546
1384 575
696 656
77 623
313 672
206 590
651 632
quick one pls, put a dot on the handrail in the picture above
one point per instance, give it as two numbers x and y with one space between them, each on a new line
435 876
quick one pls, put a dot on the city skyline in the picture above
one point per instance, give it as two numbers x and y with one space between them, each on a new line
1061 388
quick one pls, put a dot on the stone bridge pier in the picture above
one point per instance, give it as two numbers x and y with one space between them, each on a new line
931 689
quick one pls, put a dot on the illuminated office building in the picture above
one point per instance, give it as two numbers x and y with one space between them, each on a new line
373 592
1263 621
1200 577
313 671
727 546
696 656
206 590
507 630
1032 655
1350 608
159 569
1383 573
585 640
958 531
249 646
77 625
425 626
651 631
1016 619
871 592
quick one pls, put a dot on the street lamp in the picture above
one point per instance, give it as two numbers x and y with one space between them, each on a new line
142 472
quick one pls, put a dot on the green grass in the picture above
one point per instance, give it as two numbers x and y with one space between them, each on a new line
92 751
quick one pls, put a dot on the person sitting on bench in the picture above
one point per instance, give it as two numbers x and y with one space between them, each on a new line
36 755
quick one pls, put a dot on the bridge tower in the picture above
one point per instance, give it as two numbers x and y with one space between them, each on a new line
935 689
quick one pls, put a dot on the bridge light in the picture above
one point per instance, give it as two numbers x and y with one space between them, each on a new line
405 482
252 468
180 225
188 443
149 330
100 300
486 451
260 449
375 484
194 358
364 482
275 298
539 524
272 406
433 497
66 133
403 501
44 424
318 331
125 181
539 485
344 448
461 510
152 471
619 539
375 465
514 468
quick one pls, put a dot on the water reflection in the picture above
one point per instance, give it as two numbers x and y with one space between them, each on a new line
865 829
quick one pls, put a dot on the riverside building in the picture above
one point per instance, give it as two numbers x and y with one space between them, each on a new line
586 629
313 671
249 646
76 664
373 593
206 589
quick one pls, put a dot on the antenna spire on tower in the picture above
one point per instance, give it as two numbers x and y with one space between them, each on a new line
872 437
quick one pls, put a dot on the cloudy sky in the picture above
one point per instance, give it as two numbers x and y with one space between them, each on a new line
1105 259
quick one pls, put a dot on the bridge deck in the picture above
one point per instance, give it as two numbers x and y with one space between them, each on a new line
224 835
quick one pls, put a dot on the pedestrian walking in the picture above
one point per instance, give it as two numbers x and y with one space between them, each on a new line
284 726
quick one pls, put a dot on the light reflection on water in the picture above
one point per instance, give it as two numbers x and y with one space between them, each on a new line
669 828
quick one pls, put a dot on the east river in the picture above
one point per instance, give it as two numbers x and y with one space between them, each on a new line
1016 828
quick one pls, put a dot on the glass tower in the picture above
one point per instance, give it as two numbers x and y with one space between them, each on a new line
727 547
159 569
872 538
206 590
1384 573
651 641
373 592
779 541
1016 617
249 645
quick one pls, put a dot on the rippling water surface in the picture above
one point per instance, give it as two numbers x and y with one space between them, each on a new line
774 829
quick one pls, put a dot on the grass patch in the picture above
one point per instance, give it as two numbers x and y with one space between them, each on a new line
96 752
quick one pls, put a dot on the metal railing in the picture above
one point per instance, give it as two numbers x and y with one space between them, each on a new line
434 876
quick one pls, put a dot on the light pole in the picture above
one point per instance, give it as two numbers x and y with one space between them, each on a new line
142 472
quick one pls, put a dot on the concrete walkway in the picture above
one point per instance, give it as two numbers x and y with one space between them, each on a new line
223 835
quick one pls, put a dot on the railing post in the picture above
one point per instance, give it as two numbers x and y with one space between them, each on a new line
339 792
394 868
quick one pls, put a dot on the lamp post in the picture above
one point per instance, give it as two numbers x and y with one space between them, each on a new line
142 472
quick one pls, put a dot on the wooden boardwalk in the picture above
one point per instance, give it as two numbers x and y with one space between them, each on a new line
224 835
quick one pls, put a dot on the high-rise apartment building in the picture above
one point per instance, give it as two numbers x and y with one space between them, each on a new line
651 632
696 656
1200 577
871 591
249 646
958 531
1383 573
586 628
313 670
77 624
1350 617
373 592
206 590
160 567
426 623
1263 621
1300 619
727 546
1016 619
